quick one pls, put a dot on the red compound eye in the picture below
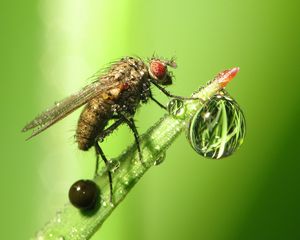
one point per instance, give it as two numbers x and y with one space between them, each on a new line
158 69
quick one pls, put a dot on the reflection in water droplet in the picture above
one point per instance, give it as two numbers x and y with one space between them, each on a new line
218 129
176 108
160 159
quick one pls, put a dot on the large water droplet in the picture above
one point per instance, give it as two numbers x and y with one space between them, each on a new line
176 108
217 129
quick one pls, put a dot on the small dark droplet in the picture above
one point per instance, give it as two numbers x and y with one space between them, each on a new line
83 194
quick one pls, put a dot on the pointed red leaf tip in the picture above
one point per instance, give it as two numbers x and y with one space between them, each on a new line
226 76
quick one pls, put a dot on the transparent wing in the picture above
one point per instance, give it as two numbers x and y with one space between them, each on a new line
66 106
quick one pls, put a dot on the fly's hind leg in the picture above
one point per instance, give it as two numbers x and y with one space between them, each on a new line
104 134
101 153
120 119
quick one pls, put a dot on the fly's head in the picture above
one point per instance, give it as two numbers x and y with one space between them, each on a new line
158 70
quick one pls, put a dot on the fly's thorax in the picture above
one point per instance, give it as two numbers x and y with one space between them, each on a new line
133 84
130 98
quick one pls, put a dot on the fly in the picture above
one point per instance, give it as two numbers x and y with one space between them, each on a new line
115 95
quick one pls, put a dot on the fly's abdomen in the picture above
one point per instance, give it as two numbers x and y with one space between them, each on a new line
92 121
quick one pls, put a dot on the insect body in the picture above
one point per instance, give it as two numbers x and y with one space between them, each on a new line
114 96
130 85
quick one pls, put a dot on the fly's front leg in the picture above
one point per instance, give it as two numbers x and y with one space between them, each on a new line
167 93
157 102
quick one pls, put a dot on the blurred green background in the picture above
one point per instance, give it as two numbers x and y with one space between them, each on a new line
50 48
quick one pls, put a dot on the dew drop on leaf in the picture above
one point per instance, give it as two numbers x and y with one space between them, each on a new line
176 108
218 128
161 158
113 165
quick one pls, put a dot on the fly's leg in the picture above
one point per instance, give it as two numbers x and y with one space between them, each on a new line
130 122
158 103
167 93
104 134
101 153
97 163
131 125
